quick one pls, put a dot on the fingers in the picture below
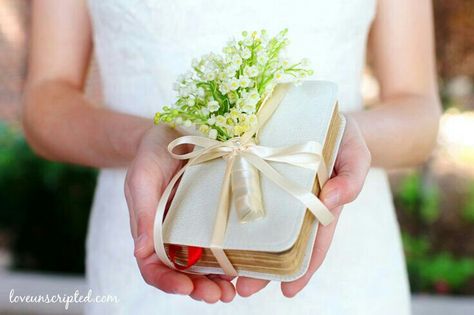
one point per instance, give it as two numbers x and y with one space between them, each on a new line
320 249
209 289
249 286
205 290
227 288
160 276
212 288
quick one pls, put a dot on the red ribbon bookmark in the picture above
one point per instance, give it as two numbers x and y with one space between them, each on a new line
194 254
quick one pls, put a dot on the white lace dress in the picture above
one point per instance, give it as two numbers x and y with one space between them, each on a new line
141 46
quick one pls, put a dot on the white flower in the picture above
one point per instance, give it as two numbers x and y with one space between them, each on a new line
191 102
220 121
236 60
284 63
183 91
234 84
232 97
204 129
247 108
240 129
234 114
222 76
224 88
230 70
240 103
228 50
213 106
244 81
252 98
246 53
248 41
212 120
179 120
262 57
188 123
209 76
278 75
195 63
251 71
252 119
212 134
232 43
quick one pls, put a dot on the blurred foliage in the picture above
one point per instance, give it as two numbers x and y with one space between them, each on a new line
419 199
44 207
435 271
430 268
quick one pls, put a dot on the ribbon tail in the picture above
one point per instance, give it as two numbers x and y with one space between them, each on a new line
220 224
246 192
158 224
315 205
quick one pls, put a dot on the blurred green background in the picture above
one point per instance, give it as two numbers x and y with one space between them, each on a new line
45 206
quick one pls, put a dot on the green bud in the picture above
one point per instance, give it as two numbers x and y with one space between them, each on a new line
156 119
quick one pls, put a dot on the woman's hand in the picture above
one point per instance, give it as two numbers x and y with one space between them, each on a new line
351 167
147 177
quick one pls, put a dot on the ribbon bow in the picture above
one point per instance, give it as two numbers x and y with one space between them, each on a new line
307 155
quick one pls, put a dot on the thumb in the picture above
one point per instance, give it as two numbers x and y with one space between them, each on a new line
348 182
144 241
142 189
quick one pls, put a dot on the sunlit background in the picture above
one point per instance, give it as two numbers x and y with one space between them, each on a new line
44 206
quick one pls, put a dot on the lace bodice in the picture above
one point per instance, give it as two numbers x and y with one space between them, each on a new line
143 45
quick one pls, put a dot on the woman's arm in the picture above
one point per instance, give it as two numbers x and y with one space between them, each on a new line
401 130
60 124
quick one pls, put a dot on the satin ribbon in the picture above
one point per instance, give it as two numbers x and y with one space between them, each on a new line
306 155
246 191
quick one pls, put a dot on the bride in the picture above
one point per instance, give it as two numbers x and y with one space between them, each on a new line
141 47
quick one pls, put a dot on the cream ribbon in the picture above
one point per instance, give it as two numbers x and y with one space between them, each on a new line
246 191
307 155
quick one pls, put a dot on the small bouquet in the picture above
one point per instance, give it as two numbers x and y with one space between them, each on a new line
221 95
